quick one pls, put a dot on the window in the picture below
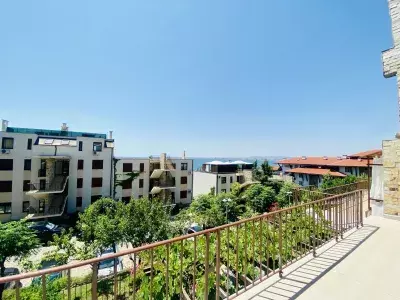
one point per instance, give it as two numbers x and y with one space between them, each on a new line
348 170
141 167
97 182
6 164
97 146
184 180
95 198
183 194
140 183
29 146
25 206
78 202
80 146
26 186
126 199
184 166
97 164
126 185
80 164
223 190
231 179
127 167
8 143
5 186
5 208
27 164
79 183
223 179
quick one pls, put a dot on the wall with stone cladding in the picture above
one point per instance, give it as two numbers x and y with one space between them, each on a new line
391 165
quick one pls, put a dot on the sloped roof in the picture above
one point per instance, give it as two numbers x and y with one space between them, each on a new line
369 153
316 171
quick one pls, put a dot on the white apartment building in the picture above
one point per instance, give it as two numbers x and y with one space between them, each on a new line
44 173
220 176
170 179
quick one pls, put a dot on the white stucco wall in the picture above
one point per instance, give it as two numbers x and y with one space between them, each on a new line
203 182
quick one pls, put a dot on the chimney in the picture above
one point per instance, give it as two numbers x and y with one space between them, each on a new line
110 135
64 127
4 125
184 154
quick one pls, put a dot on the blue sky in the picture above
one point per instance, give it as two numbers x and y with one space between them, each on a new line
216 78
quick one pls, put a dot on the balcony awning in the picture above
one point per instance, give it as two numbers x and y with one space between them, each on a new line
157 189
157 173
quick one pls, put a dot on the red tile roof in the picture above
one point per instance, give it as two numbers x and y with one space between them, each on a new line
324 161
366 154
316 171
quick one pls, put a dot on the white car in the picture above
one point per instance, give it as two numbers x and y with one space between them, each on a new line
106 267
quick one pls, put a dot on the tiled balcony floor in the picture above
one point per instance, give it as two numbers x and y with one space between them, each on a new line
363 265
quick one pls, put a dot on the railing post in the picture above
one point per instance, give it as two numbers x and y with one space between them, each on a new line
360 197
44 287
314 231
115 279
17 284
69 284
94 281
280 246
218 265
341 215
206 266
336 220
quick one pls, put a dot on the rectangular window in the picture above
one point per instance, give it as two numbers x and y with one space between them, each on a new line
183 194
141 167
29 146
78 202
80 146
140 183
231 179
5 208
25 206
80 164
348 170
6 164
223 179
127 167
127 185
97 164
223 190
79 183
27 164
184 166
126 199
97 182
6 186
26 186
95 198
97 146
7 143
184 180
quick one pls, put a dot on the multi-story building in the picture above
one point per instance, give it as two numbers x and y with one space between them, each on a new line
219 176
44 173
170 179
310 170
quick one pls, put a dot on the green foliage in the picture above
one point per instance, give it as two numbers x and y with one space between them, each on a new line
330 181
259 197
144 221
262 173
286 194
64 247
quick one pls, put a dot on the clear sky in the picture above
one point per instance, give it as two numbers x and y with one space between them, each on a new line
216 78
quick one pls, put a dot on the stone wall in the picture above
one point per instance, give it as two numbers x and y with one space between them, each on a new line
391 165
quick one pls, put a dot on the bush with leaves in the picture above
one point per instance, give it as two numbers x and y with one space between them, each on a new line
286 194
259 197
262 173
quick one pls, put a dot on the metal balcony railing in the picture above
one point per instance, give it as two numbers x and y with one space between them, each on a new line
42 173
221 262
57 184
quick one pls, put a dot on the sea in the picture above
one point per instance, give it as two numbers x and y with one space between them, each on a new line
199 161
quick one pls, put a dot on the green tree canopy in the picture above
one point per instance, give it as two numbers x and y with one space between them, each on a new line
16 239
262 173
286 194
259 197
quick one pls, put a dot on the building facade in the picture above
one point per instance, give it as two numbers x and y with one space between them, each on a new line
44 173
219 176
170 179
310 170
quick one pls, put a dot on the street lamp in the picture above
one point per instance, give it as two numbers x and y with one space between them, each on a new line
289 194
226 201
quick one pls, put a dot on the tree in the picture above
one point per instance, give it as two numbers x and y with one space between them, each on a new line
262 173
259 197
330 181
285 196
64 247
144 222
16 239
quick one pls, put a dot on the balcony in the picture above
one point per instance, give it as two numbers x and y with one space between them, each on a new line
157 186
42 189
53 207
300 251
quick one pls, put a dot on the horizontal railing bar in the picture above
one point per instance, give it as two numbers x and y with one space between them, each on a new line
165 242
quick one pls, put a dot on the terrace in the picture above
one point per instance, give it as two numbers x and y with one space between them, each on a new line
307 250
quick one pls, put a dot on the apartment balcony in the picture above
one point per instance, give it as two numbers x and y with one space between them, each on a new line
42 189
54 206
157 186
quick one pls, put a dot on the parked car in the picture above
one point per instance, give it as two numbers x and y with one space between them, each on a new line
194 227
106 267
50 277
45 230
11 272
